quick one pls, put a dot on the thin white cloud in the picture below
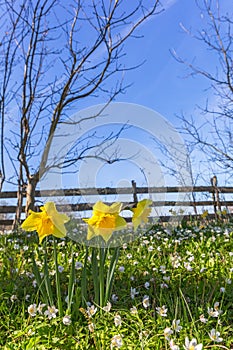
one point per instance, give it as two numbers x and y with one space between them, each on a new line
168 3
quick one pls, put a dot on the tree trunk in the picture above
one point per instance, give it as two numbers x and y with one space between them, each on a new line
30 194
30 198
18 212
2 178
20 189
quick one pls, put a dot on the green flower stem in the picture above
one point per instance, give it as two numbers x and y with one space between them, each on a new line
102 283
102 258
39 281
58 285
84 280
46 277
189 311
71 284
95 275
110 274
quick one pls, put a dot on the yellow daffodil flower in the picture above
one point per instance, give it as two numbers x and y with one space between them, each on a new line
204 214
141 213
47 222
105 220
224 212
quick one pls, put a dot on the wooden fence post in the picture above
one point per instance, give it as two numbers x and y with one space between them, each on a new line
135 197
215 195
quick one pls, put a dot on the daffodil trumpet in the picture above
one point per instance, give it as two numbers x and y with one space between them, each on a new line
105 220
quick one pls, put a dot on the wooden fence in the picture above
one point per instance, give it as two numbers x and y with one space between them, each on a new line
212 193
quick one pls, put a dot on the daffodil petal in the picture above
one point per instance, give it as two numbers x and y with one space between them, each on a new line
90 233
141 213
42 235
32 222
101 207
136 222
104 208
115 208
57 233
106 234
57 218
141 206
120 223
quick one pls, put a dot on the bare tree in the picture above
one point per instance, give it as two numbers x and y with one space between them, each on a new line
183 171
214 136
53 55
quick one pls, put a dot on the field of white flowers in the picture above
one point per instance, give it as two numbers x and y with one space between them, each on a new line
173 289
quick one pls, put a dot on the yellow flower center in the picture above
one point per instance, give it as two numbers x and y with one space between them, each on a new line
47 225
102 220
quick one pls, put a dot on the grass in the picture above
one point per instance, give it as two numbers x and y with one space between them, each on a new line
180 274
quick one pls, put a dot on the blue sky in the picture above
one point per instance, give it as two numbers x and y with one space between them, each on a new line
161 83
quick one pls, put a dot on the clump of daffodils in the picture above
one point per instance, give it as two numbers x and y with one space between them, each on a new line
104 221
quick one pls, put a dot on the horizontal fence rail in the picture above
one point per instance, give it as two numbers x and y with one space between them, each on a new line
123 190
212 192
88 206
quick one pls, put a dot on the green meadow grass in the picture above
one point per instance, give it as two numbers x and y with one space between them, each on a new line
182 274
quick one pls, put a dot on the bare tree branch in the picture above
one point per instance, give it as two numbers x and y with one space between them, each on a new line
53 56
213 136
